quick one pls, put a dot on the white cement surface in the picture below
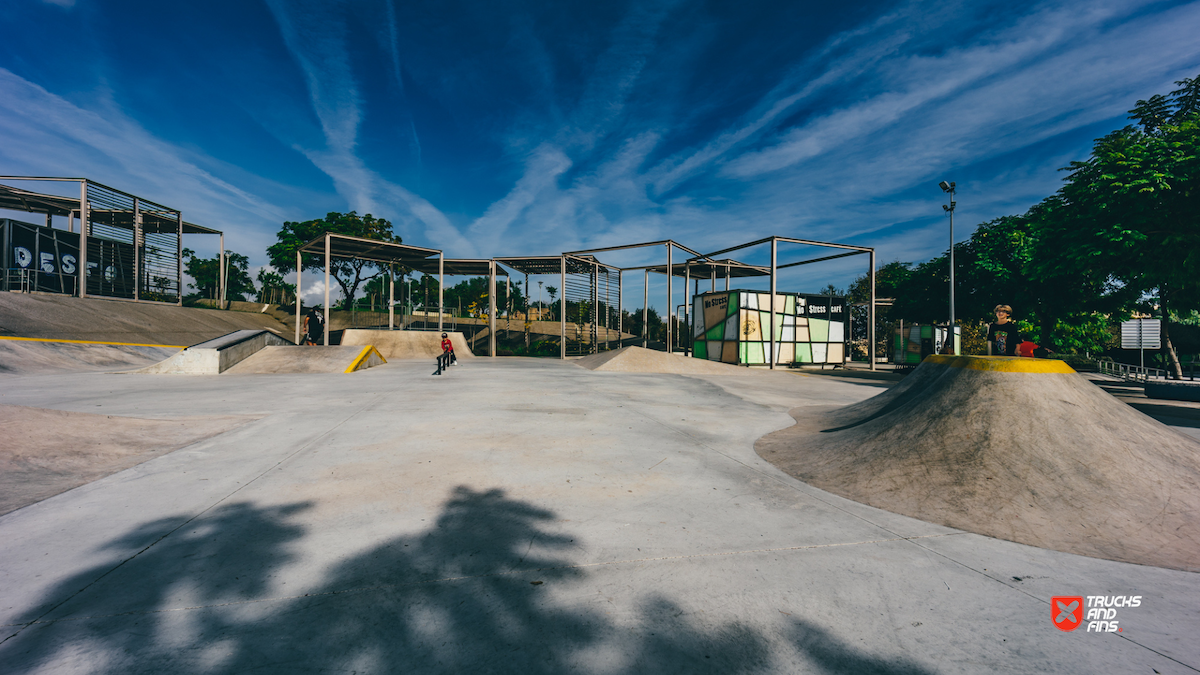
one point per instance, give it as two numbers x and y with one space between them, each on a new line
389 521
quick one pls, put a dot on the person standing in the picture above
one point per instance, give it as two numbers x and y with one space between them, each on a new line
314 327
1003 336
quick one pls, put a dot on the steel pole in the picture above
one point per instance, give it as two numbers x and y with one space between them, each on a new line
646 313
951 331
774 250
562 308
137 249
83 234
492 308
687 308
670 300
391 297
620 311
179 257
441 285
297 297
871 312
325 339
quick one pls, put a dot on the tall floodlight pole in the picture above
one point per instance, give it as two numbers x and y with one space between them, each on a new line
949 188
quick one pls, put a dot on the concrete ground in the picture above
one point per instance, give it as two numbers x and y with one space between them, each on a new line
526 516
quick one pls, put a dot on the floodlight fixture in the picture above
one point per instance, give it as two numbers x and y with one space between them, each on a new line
949 187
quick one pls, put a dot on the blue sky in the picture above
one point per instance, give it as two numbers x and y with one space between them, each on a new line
511 128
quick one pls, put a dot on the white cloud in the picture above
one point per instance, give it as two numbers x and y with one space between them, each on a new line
317 40
47 135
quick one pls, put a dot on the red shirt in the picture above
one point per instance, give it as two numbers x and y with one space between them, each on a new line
446 346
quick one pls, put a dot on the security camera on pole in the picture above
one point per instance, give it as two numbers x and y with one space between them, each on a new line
949 188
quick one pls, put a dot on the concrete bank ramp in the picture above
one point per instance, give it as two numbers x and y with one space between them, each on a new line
30 356
61 317
1019 449
396 345
321 359
641 360
214 357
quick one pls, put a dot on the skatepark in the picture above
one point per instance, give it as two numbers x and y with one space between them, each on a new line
630 511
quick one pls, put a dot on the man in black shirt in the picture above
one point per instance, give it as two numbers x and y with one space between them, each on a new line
1003 335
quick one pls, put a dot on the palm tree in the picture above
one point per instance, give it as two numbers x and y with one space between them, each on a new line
552 291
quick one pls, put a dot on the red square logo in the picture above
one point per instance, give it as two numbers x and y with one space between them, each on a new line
1066 611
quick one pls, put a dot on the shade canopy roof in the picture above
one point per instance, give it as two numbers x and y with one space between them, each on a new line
155 219
345 246
464 267
705 270
552 264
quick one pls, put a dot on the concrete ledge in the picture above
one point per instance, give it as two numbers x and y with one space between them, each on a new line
215 356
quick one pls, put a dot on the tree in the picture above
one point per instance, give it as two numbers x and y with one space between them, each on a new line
551 291
1131 212
348 273
205 274
272 287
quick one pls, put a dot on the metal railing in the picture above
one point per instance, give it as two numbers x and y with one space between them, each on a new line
1127 372
29 280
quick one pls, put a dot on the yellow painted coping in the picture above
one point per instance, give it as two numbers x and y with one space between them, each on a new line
1001 364
90 342
362 356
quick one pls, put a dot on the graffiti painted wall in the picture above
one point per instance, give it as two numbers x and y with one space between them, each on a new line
734 327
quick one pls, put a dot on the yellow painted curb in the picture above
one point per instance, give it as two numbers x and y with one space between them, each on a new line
89 342
1001 364
366 352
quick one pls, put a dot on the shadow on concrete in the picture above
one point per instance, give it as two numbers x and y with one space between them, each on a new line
485 589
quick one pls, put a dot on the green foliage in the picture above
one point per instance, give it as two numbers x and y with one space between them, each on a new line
632 323
205 274
273 288
348 273
1124 226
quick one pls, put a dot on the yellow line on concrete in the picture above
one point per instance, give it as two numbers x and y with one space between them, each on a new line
90 342
366 352
1002 364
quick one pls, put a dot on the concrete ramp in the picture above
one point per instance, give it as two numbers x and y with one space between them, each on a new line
641 360
1019 449
61 317
322 359
396 345
214 357
27 356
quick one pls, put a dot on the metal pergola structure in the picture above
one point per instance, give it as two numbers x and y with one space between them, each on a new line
332 245
469 267
114 212
585 261
773 271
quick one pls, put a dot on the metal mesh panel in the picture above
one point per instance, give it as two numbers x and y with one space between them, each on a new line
590 300
122 264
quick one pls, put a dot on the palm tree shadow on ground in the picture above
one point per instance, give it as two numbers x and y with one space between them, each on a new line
459 597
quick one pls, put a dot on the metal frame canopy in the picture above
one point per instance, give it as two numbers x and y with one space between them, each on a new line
136 231
588 254
586 262
773 271
344 246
